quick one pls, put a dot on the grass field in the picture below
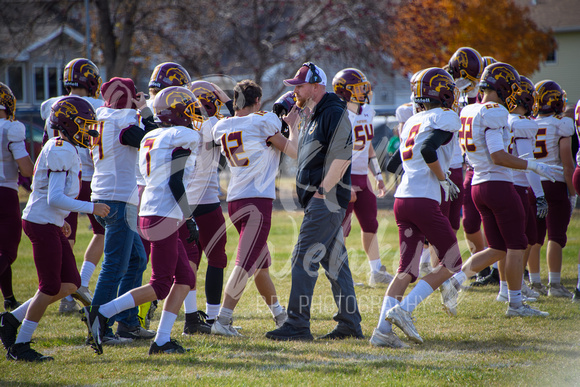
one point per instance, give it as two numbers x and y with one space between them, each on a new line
478 347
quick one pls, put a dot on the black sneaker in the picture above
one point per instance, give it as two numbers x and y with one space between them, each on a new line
576 297
11 304
23 352
289 332
336 334
8 328
196 323
491 279
172 346
135 333
97 326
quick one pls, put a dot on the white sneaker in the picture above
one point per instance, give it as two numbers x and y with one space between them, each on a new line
220 329
390 340
558 290
68 307
404 320
449 297
380 277
504 298
525 311
83 294
528 292
281 318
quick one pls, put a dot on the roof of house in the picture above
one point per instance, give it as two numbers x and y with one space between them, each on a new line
42 36
559 15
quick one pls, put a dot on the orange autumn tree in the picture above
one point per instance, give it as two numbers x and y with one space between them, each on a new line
425 33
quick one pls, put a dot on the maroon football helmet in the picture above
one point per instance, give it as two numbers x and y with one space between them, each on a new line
466 63
76 119
352 85
434 85
527 96
81 72
505 80
487 60
175 106
8 100
169 74
550 98
207 97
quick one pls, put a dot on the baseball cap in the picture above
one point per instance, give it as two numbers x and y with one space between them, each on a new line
306 75
118 93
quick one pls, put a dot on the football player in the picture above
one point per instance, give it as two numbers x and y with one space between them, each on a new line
576 181
55 186
164 154
81 77
485 142
428 140
352 86
114 183
13 159
553 146
202 195
252 142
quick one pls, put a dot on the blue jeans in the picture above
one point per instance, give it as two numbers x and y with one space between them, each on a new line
125 259
321 242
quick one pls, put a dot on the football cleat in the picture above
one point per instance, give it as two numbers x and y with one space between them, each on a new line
23 352
8 329
390 340
449 296
196 322
68 307
404 320
281 318
97 327
83 294
525 311
172 346
220 329
558 290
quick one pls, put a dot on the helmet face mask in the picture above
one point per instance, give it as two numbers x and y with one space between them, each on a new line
83 73
352 85
550 98
177 106
466 63
75 118
505 81
206 95
8 100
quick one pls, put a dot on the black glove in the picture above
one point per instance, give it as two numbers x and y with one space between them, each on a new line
193 231
541 207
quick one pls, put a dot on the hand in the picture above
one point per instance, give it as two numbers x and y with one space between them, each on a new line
222 96
450 189
546 170
66 230
541 207
140 101
381 188
572 199
193 231
352 196
292 118
101 209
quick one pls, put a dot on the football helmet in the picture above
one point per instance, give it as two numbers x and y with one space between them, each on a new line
466 63
81 72
352 85
505 80
8 100
550 98
207 97
282 107
487 60
528 94
176 106
169 74
435 85
76 119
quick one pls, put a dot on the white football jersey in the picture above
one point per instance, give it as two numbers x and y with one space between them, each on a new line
577 118
203 187
476 119
114 177
521 128
362 134
550 130
57 155
404 112
253 163
418 181
12 147
84 153
155 154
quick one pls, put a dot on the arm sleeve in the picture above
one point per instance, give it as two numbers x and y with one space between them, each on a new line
494 141
148 120
132 136
57 198
230 106
395 162
524 146
433 141
178 161
18 149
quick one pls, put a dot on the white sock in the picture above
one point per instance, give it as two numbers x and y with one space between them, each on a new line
384 326
118 305
535 278
554 277
190 302
375 264
276 308
87 271
578 284
20 312
26 330
426 256
515 298
69 298
212 310
503 288
164 329
459 278
225 315
420 292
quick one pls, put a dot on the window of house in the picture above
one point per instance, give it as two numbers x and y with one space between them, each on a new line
551 58
46 84
15 78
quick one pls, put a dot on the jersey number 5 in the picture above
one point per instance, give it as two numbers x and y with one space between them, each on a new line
362 134
541 150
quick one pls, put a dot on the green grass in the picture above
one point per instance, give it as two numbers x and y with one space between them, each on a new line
478 347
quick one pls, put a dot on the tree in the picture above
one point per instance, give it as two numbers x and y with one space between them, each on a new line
426 33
